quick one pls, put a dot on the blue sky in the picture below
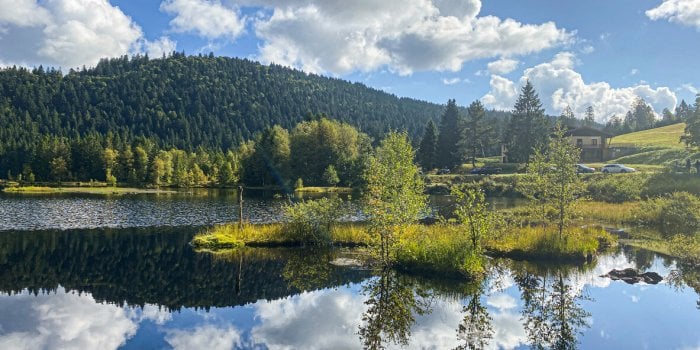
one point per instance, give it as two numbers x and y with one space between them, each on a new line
600 53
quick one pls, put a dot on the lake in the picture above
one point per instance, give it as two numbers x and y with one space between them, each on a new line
136 283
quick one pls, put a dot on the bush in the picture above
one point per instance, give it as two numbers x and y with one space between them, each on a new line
311 220
687 248
677 213
665 184
616 188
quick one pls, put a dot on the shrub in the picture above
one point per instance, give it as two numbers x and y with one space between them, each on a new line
687 248
311 220
677 213
665 184
616 188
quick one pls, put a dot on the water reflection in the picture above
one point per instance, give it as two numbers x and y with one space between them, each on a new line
476 329
153 265
146 288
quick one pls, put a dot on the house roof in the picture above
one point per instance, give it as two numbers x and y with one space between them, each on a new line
587 131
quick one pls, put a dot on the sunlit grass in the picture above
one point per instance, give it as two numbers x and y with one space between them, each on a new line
324 190
665 136
85 190
613 213
231 235
544 243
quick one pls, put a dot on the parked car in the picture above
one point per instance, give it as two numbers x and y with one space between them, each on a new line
487 170
616 168
582 168
443 171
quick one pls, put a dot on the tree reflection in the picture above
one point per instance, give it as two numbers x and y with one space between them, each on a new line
552 314
391 302
475 330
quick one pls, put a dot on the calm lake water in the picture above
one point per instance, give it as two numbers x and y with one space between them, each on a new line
187 208
146 288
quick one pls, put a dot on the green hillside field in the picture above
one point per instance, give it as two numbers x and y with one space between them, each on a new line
659 146
664 137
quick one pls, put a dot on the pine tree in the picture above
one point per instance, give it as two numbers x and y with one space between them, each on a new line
589 119
528 127
477 133
427 151
449 135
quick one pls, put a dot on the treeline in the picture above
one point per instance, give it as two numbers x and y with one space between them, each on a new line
188 101
642 117
316 152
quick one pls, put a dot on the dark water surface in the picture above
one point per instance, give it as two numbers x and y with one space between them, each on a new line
187 208
144 288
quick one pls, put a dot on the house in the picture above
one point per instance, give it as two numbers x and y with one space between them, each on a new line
594 143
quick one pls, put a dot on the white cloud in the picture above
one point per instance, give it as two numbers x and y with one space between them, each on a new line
204 337
405 36
559 85
62 320
686 12
634 71
588 49
332 316
160 47
23 13
502 95
210 19
451 81
692 89
503 66
67 33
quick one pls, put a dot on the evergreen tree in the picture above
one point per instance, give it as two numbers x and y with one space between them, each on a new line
330 176
589 118
691 137
477 134
567 118
528 128
449 135
427 151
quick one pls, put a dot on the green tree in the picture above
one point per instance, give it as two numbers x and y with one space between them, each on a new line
691 136
528 127
330 176
394 192
141 164
477 133
59 168
109 158
589 118
269 164
427 151
448 137
551 179
568 118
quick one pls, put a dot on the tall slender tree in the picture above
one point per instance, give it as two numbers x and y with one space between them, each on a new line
427 150
528 126
449 135
589 118
477 133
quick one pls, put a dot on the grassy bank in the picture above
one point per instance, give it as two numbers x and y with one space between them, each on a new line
539 243
442 248
269 235
666 136
323 190
84 190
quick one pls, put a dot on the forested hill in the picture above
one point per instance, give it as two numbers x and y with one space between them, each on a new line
187 101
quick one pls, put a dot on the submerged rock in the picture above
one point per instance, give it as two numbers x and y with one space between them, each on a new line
632 276
347 262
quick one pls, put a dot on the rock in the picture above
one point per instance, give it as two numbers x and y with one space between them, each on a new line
346 262
632 276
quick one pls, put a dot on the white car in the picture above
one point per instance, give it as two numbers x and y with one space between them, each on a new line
616 168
